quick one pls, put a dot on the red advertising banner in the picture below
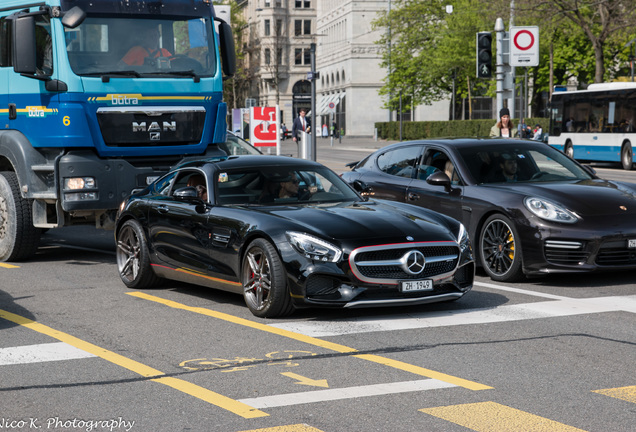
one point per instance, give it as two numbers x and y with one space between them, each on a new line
264 126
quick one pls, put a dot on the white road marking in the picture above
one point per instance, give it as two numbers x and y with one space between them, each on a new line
41 353
558 306
344 393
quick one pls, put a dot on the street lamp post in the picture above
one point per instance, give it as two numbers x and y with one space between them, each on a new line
312 58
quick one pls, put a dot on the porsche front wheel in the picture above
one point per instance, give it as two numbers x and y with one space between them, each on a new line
500 250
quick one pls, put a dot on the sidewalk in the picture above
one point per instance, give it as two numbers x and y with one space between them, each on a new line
365 145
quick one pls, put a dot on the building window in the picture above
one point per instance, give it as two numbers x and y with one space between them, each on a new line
303 4
268 56
268 30
279 3
307 56
279 27
268 3
279 56
302 27
298 56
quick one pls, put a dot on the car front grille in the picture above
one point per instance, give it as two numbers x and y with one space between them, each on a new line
563 252
387 264
616 253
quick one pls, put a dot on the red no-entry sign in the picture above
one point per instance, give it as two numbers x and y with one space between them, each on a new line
524 46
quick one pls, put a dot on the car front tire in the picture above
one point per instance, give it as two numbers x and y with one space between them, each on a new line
265 281
133 257
500 250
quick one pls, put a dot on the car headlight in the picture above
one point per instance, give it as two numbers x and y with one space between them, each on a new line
313 247
550 211
462 238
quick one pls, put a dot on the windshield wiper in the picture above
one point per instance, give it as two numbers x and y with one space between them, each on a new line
107 75
186 73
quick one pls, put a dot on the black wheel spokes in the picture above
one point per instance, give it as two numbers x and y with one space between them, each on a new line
498 247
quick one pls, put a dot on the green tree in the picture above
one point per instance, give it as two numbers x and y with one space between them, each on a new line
426 49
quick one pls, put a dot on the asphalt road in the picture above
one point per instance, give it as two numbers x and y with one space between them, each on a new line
80 352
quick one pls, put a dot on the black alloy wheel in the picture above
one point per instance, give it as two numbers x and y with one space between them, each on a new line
265 281
500 250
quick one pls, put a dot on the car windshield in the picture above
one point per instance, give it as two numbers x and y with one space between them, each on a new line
519 163
130 46
281 186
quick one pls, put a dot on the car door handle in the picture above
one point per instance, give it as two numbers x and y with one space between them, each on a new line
412 196
162 209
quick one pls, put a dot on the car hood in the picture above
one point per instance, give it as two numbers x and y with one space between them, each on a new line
594 197
377 220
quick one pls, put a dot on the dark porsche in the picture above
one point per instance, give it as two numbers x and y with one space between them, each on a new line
288 233
528 207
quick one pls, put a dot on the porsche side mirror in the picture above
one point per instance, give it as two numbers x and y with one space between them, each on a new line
440 178
362 188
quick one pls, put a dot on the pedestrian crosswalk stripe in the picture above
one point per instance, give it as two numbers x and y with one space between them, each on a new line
55 351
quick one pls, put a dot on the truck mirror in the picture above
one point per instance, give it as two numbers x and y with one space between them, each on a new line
73 17
228 55
24 45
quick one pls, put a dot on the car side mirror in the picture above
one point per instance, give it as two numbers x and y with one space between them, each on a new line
440 178
188 193
362 188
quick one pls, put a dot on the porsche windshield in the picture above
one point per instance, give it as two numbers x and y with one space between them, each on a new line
521 163
129 46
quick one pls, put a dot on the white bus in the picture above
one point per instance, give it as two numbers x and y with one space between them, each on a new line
597 124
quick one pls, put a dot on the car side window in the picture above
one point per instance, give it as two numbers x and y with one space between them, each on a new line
163 185
435 160
399 162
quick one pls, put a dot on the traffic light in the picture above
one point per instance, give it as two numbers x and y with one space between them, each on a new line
484 55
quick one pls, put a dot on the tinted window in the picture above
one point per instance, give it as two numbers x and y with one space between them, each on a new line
399 162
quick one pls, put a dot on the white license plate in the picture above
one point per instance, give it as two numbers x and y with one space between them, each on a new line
416 285
151 179
631 243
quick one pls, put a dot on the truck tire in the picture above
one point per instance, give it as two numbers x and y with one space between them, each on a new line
19 239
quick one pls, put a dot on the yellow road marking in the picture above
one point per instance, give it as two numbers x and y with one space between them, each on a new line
316 342
494 417
9 266
625 393
289 428
206 395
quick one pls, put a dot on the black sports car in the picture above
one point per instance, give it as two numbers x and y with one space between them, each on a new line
528 207
288 233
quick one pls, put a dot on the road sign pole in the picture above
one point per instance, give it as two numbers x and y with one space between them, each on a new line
499 31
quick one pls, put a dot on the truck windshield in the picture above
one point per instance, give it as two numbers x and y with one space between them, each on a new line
142 47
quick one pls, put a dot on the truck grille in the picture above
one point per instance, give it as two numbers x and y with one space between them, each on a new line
388 264
156 126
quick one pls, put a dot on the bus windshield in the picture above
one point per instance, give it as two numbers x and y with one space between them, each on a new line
118 45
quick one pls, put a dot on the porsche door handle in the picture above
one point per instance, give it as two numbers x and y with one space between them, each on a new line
163 209
412 196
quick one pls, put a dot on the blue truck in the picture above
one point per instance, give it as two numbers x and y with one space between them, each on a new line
97 98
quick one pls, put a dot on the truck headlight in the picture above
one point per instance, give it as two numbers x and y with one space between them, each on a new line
314 248
78 183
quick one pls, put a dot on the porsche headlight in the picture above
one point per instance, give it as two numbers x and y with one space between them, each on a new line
314 248
550 211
